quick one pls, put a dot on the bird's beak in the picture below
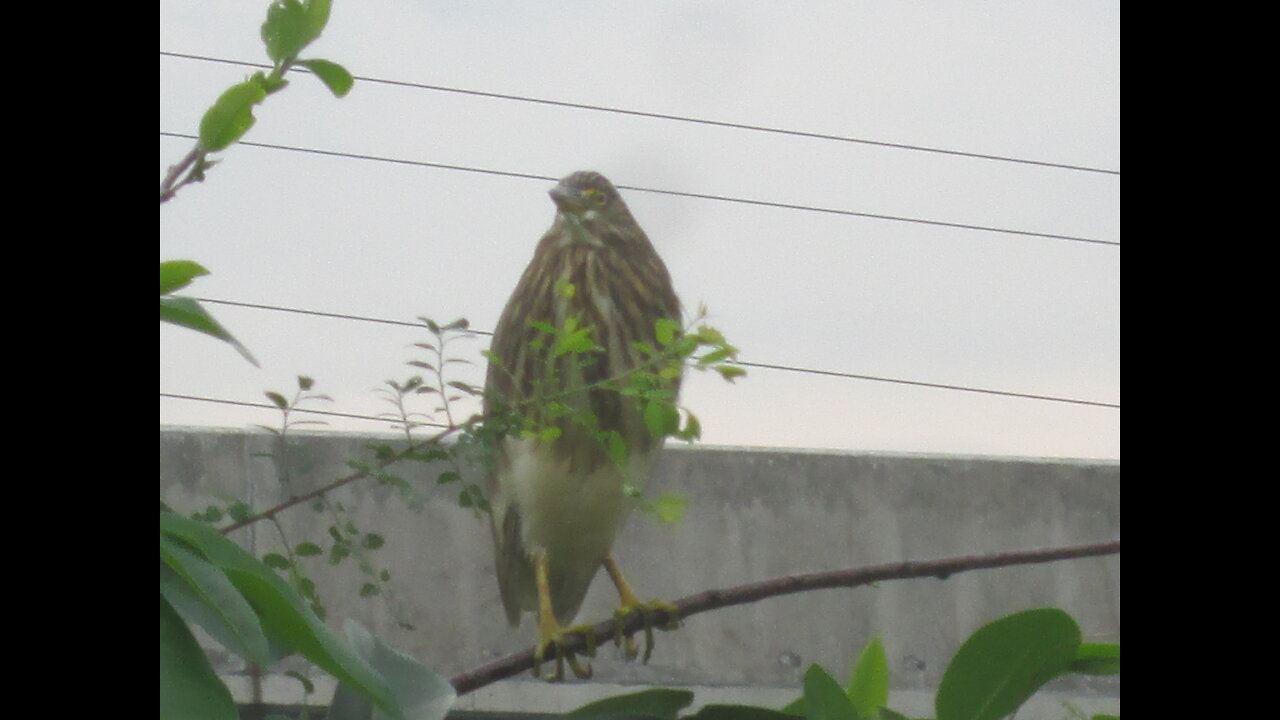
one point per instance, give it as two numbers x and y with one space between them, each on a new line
567 199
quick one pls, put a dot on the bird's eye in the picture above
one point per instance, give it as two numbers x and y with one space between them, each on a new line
595 196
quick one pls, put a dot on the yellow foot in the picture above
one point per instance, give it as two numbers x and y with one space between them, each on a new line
649 611
554 638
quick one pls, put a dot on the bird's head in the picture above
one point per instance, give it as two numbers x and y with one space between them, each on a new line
589 203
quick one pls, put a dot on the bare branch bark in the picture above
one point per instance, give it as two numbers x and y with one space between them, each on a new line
714 599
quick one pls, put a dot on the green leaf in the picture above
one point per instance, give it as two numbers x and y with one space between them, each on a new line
308 549
824 699
692 428
716 356
665 330
708 335
277 561
1097 659
1004 662
615 447
660 703
372 541
188 313
670 507
277 399
177 274
335 77
419 692
730 372
202 594
284 615
189 688
231 116
661 418
292 25
869 682
739 712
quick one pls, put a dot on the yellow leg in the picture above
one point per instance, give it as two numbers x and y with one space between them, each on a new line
551 633
630 604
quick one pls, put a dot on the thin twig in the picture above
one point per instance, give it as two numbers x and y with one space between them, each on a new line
346 479
714 599
169 187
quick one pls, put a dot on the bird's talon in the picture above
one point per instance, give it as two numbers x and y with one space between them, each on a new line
556 639
671 621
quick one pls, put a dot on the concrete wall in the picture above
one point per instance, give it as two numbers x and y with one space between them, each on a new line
754 514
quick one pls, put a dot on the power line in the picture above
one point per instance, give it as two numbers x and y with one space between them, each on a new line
659 191
744 363
266 406
676 118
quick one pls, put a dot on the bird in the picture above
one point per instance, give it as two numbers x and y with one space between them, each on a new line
572 443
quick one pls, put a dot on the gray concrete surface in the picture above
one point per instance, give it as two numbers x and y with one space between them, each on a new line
753 515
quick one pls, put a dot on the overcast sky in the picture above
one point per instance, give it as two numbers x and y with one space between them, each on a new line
834 292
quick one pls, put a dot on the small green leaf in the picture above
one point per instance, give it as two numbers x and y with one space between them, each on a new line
305 383
708 335
716 356
291 26
231 116
308 549
869 682
661 418
177 274
338 553
277 399
670 507
730 372
616 448
277 561
239 511
542 325
369 590
824 699
372 541
338 80
692 428
665 330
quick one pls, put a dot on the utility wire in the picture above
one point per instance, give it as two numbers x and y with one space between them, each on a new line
659 191
744 363
676 118
266 406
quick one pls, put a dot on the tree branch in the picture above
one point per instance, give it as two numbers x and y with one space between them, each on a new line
714 599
